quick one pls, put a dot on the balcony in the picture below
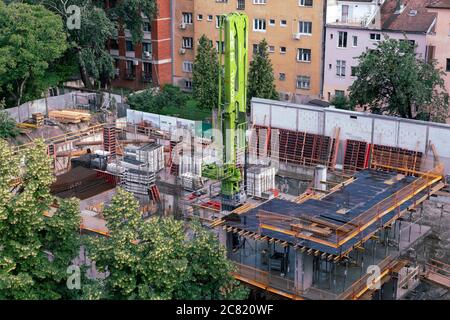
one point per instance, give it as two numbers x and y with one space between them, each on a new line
361 23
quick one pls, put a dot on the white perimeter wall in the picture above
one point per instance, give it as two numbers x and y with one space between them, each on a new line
374 129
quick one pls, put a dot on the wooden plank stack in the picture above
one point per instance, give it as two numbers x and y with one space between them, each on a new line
69 116
38 119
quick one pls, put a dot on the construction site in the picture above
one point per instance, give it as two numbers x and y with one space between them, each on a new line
309 202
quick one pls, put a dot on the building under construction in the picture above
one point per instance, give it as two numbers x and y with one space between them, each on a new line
332 195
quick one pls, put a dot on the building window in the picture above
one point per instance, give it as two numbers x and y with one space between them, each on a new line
303 82
354 41
342 40
259 1
353 71
241 5
187 66
147 27
375 36
340 68
339 93
129 69
259 25
283 50
331 36
188 84
448 65
147 71
114 44
218 21
282 76
271 49
305 3
304 55
199 17
187 17
210 17
305 27
272 22
187 42
147 47
283 23
220 46
129 45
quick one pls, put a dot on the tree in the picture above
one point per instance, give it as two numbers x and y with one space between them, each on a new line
35 250
31 37
391 79
155 260
206 72
8 128
261 82
341 102
98 25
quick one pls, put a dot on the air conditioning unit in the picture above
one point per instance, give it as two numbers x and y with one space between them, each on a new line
296 36
147 55
182 50
183 25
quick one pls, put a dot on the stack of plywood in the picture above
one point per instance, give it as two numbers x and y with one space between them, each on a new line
69 116
38 119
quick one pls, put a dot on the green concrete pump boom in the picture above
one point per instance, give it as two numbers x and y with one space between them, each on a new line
233 104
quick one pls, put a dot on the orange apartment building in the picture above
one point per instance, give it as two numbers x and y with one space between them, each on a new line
293 30
148 62
439 40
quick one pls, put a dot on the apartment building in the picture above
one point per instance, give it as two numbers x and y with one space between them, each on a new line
439 40
352 27
138 65
293 30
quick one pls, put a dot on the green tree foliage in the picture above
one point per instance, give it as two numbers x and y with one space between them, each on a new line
341 102
261 82
88 44
35 250
392 80
8 127
170 100
31 38
206 72
156 260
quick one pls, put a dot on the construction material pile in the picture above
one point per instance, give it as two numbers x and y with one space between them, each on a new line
260 179
38 119
69 116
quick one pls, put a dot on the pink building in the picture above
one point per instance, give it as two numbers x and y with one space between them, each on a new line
354 26
439 40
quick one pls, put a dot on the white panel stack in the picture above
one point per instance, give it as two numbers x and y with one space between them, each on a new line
153 154
191 181
260 179
115 168
138 182
192 164
130 163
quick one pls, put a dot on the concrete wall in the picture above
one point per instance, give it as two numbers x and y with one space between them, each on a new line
374 129
65 101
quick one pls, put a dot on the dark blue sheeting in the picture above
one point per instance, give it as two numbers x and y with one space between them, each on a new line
368 189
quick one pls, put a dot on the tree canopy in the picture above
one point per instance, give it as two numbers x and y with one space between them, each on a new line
261 81
392 79
158 259
35 250
88 41
206 72
31 38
